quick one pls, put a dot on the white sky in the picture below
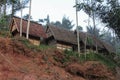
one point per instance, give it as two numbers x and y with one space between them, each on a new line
56 9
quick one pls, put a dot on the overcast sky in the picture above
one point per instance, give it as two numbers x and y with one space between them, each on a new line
56 9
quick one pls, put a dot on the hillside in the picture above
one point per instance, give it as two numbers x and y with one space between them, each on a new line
18 62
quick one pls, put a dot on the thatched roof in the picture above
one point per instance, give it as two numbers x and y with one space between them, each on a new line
95 41
35 29
61 34
104 45
109 47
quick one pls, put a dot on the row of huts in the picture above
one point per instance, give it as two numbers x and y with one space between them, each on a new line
59 37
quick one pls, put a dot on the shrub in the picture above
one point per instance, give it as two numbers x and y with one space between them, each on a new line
70 55
32 46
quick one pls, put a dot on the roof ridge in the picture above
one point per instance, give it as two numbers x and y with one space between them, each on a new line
27 20
61 28
34 30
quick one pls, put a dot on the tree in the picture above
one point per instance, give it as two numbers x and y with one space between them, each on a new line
66 23
110 15
13 6
106 10
94 31
40 20
57 23
90 7
3 6
26 17
21 19
47 20
28 25
16 6
80 28
3 23
4 3
107 37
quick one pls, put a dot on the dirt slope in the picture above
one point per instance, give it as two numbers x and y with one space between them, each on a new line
17 62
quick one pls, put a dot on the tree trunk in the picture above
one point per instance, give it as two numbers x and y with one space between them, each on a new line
78 40
28 25
4 7
96 48
85 45
86 37
94 22
21 21
115 41
0 11
12 14
94 25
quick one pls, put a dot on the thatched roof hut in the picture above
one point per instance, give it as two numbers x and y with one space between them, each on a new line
61 34
36 31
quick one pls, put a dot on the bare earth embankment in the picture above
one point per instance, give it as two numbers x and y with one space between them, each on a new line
17 62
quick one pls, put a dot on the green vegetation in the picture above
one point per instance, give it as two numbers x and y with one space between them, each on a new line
66 23
5 33
24 41
69 55
105 60
33 47
7 9
4 29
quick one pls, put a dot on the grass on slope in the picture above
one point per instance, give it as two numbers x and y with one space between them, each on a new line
107 60
70 55
33 47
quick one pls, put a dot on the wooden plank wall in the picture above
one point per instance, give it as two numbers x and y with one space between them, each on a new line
63 47
35 42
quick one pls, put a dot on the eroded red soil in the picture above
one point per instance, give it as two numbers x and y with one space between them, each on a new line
17 62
